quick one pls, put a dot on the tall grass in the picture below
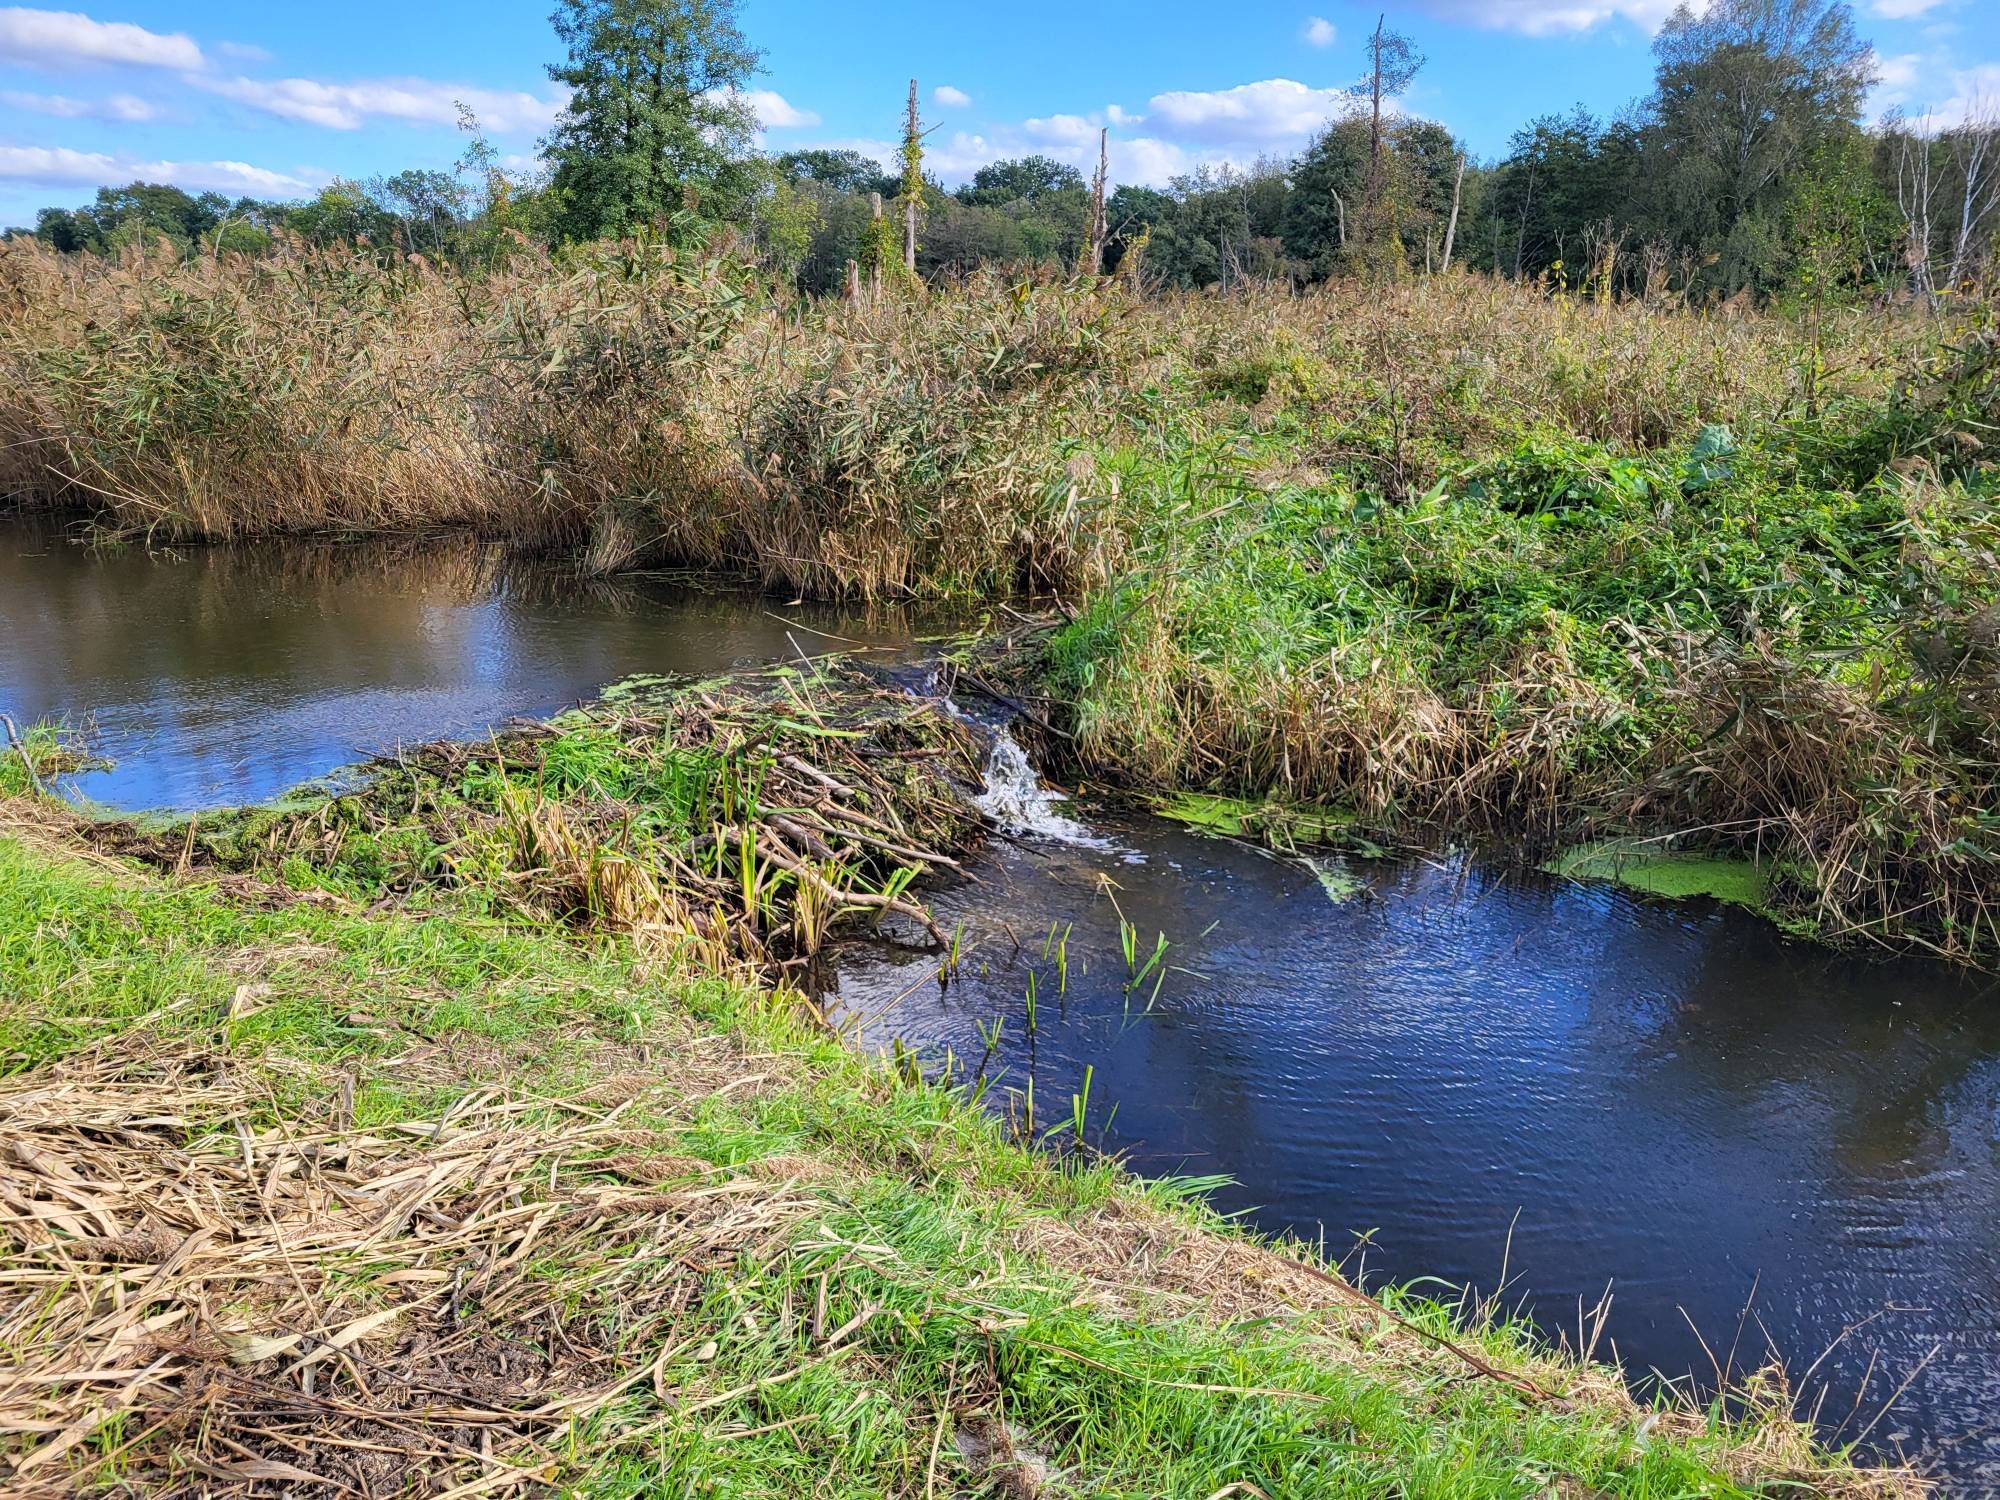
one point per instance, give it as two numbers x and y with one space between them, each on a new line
656 400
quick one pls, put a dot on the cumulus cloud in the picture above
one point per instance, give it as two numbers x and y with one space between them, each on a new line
1974 94
126 108
947 97
1062 130
1319 32
1546 17
59 37
775 112
1269 112
1935 88
59 166
1895 78
412 101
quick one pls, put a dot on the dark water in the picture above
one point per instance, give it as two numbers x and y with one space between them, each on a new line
227 674
1672 1100
1675 1101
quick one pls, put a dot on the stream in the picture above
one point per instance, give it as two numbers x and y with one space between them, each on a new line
1761 1148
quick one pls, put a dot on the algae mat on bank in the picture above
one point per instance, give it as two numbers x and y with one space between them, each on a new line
1647 866
445 1203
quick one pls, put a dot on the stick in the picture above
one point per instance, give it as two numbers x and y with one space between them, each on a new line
27 760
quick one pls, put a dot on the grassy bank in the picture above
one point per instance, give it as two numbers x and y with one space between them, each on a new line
349 1150
1468 559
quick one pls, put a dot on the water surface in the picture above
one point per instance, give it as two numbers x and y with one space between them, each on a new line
217 675
1672 1101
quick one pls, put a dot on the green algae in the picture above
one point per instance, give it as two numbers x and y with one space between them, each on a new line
1340 884
1651 868
1282 825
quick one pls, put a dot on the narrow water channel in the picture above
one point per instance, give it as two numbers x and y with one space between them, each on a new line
1440 1070
217 675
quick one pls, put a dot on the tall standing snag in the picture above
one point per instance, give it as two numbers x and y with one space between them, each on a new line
1451 228
1097 187
875 243
1392 64
913 178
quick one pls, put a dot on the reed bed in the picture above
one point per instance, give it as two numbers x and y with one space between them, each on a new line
1778 644
656 401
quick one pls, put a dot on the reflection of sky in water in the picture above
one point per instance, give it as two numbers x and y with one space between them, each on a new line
1674 1100
217 675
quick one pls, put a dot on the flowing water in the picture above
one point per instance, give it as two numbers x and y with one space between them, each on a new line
1434 1069
1439 1069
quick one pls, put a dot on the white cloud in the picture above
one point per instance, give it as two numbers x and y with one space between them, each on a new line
412 101
775 112
948 97
69 37
1896 76
1143 159
127 108
1251 114
1319 32
1975 94
1903 10
1545 17
1062 130
1935 89
60 166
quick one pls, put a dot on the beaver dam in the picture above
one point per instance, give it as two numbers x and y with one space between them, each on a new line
456 1160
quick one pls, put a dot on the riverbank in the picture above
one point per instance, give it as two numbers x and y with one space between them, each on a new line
1474 561
432 1179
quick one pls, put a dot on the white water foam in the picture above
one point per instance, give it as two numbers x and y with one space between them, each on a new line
1019 804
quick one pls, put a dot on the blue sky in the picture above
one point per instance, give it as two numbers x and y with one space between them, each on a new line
276 99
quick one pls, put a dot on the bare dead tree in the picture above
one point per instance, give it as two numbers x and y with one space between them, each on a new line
1097 188
1975 151
913 178
875 233
1918 175
1451 225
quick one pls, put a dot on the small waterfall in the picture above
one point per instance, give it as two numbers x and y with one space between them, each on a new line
1018 803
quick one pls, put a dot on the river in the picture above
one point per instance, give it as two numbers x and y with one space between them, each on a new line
1761 1148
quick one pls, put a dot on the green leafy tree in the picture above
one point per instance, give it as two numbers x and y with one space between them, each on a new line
1746 90
844 171
656 113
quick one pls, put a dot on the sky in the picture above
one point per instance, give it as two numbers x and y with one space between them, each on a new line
275 100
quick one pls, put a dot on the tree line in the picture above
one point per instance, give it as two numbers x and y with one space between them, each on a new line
1747 170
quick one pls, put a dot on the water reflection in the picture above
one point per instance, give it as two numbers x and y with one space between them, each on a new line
216 675
1675 1101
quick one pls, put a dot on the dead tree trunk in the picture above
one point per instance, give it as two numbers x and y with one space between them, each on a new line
875 238
1451 226
913 136
1097 187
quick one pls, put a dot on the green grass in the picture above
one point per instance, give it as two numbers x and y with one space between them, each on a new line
1777 640
962 1249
